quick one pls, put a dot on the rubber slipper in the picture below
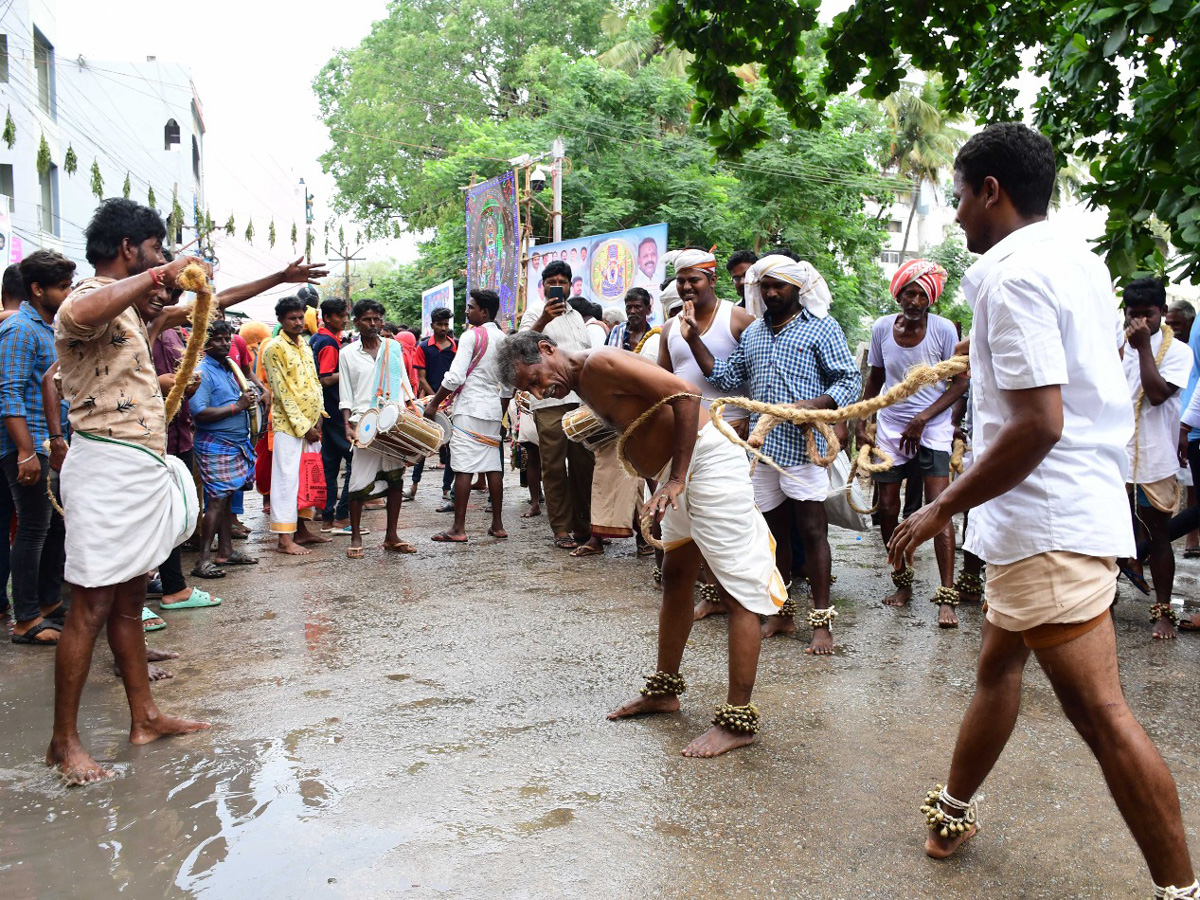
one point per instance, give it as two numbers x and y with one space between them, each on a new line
30 637
498 535
645 550
402 547
237 558
198 600
565 543
208 570
585 550
446 507
348 531
1191 553
1188 624
444 537
151 621
1134 578
354 553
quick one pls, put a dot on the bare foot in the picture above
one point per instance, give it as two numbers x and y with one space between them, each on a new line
1164 630
777 625
705 608
947 617
533 511
163 726
900 598
74 764
291 548
940 847
307 537
822 642
155 672
715 741
153 655
645 706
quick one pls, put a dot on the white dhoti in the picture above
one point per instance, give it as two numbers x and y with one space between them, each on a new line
285 482
716 510
614 495
475 444
126 508
527 429
371 474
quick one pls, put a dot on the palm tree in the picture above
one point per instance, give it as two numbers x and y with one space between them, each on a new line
635 45
923 141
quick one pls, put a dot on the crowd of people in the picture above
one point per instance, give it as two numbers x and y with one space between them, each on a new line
1063 461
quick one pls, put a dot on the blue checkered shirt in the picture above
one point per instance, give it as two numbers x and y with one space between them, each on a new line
616 337
805 360
26 352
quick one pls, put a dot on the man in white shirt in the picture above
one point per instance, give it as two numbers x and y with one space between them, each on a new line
1156 370
1051 421
371 373
566 466
473 383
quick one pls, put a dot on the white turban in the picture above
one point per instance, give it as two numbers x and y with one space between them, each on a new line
692 259
814 292
670 298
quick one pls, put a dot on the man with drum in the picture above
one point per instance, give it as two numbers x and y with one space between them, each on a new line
371 375
473 383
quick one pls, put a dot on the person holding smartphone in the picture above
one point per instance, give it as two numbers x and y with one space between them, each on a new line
566 466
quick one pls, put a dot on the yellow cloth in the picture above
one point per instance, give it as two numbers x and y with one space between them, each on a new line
296 399
614 495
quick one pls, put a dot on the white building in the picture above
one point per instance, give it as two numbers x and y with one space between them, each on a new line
140 122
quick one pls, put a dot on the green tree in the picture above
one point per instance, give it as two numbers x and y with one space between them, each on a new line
1121 87
954 257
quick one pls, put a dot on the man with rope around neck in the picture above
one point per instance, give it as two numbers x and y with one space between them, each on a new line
704 501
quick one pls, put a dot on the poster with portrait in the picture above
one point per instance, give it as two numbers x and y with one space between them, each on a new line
604 266
442 295
494 240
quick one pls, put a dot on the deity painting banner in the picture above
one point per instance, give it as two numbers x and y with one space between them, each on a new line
494 240
442 295
605 266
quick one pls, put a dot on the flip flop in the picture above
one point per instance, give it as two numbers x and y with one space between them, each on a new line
445 538
347 531
1134 578
584 550
354 553
446 507
149 618
498 535
208 570
1191 553
198 600
1188 624
30 637
565 543
238 558
402 547
645 550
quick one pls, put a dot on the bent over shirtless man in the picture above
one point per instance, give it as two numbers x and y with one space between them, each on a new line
704 500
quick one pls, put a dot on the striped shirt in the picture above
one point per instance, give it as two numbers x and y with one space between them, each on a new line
808 358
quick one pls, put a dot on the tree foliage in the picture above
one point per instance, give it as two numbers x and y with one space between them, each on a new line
1121 87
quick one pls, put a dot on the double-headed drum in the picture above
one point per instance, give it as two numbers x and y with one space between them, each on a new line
584 427
410 437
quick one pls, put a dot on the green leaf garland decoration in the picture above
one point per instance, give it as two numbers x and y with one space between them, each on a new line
97 180
230 228
250 231
43 157
150 198
71 161
126 187
10 130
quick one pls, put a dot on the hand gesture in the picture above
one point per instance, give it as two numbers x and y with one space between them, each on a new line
192 386
667 495
688 328
299 271
1138 334
910 437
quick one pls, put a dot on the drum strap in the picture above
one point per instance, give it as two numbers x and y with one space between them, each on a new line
481 345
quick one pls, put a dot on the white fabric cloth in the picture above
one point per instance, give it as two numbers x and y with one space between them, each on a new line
721 343
1043 316
367 469
691 259
527 429
1191 414
126 509
650 347
896 361
467 454
814 292
803 482
716 510
597 335
568 331
669 300
1158 428
481 391
359 377
285 481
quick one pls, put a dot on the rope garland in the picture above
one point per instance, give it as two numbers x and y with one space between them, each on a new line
657 329
192 278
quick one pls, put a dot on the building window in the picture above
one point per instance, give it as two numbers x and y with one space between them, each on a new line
890 257
195 158
3 59
48 208
43 62
895 227
6 184
171 135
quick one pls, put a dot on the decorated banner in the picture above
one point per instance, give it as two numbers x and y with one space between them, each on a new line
442 295
605 266
493 240
7 257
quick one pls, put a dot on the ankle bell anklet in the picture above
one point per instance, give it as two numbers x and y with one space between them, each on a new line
708 593
738 719
945 824
664 684
969 584
789 608
822 618
904 577
945 595
1158 610
657 575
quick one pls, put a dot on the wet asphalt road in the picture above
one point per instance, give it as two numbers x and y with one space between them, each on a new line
433 726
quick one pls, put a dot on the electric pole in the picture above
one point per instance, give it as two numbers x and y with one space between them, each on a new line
343 257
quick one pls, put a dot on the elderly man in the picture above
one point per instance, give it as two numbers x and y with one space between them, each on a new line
1052 418
794 354
705 504
919 428
566 466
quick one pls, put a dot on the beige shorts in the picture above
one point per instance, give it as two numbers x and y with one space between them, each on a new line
1162 495
1057 587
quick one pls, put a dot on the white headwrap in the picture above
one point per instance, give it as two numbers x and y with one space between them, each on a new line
691 259
814 292
670 298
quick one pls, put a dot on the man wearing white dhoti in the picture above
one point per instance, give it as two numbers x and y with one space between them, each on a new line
126 503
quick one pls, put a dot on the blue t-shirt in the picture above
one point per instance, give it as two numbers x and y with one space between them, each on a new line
219 387
1186 394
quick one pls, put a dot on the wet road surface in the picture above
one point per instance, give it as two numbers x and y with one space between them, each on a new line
433 726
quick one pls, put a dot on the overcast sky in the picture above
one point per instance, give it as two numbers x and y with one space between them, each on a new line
253 63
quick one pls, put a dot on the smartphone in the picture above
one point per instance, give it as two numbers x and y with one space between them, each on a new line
556 294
